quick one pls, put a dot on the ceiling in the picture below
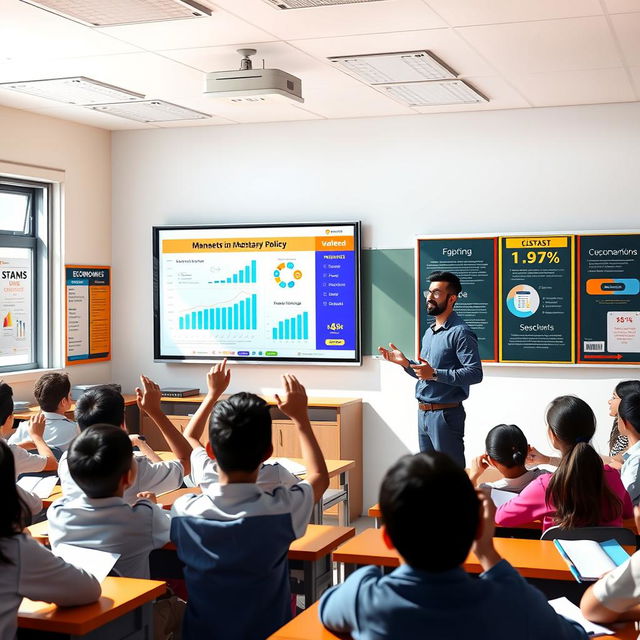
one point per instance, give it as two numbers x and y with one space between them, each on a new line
518 53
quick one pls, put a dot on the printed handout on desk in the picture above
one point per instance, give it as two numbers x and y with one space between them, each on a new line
567 609
499 496
42 487
295 468
97 563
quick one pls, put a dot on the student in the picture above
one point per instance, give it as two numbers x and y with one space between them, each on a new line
234 538
53 394
25 462
629 426
506 450
105 405
204 469
27 569
618 442
101 463
582 492
616 596
431 595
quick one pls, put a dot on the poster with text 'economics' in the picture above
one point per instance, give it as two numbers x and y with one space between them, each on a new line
536 299
609 299
88 313
474 261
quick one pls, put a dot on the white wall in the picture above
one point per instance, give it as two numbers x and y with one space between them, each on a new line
34 143
546 169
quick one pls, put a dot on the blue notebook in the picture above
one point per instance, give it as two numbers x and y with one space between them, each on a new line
589 560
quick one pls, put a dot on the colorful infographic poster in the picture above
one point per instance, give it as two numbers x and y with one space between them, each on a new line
536 299
88 307
16 307
474 261
609 299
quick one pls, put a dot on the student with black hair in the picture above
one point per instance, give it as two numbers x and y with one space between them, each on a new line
618 442
53 393
233 539
582 492
449 364
28 569
629 426
506 450
101 463
431 595
104 404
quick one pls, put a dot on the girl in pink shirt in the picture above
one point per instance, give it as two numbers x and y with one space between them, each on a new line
582 492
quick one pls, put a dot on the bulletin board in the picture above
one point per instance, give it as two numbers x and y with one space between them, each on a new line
557 298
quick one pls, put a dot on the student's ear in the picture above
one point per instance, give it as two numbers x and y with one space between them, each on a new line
209 450
385 538
268 453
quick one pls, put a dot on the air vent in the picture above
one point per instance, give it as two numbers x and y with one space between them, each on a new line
150 111
308 4
427 94
77 90
106 13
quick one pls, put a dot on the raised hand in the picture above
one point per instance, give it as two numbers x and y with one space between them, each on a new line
294 404
36 426
148 398
393 354
218 379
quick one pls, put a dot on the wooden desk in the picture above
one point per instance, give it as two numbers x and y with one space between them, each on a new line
336 468
123 611
307 626
55 494
532 558
34 410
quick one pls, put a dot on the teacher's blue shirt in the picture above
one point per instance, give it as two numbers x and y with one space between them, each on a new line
452 350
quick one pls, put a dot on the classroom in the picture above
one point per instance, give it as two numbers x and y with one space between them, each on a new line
553 149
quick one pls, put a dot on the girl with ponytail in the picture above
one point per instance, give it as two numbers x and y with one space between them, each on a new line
506 451
582 492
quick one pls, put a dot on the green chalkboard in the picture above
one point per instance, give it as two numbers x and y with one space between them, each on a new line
388 300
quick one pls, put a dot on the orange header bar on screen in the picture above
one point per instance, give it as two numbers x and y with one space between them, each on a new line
228 245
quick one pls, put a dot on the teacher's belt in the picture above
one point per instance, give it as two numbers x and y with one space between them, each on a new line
436 406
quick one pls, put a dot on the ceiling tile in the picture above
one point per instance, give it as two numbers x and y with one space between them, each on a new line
336 20
29 33
444 43
593 86
500 94
93 118
622 6
218 29
554 45
273 109
472 12
627 30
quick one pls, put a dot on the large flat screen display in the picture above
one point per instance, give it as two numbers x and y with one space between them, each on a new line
257 293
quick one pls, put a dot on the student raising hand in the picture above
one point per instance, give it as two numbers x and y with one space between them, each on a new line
294 404
148 398
218 379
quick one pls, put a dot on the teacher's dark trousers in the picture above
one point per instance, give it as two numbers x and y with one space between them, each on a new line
443 430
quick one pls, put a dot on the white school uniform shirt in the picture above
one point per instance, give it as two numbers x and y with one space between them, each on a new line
630 472
110 524
34 572
58 431
204 471
515 485
619 590
157 477
26 462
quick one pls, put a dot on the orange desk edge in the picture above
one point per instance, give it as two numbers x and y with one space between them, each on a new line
119 596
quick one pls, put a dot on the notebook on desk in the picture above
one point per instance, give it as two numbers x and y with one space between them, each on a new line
589 560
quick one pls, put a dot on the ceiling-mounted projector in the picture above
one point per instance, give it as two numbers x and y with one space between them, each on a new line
252 85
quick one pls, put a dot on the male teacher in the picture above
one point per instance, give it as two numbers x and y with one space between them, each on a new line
449 363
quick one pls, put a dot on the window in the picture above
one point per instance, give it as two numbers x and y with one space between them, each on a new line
24 278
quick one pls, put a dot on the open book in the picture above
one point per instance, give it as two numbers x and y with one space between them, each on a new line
589 560
295 468
41 486
566 608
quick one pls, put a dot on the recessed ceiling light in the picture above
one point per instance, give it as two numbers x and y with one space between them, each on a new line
150 111
104 13
405 66
306 4
77 90
424 94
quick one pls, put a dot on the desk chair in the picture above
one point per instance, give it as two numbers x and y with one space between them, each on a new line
623 536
